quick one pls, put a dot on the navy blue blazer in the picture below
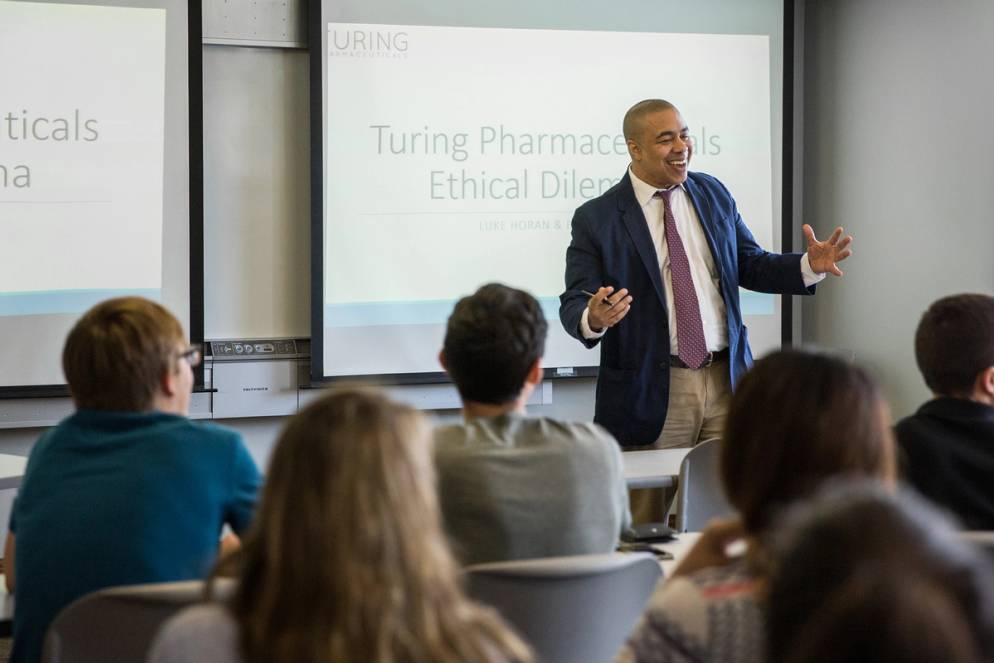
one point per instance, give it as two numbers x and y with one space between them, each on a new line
611 245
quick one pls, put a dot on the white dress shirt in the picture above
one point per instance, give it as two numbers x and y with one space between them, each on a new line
702 267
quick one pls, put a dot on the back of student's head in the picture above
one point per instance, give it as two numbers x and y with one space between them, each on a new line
117 353
796 419
492 340
859 574
347 561
955 342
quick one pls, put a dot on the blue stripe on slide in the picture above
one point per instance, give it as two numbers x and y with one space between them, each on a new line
51 302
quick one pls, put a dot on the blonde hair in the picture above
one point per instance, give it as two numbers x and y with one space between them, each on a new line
347 561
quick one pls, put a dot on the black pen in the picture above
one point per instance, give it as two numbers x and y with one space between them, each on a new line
591 294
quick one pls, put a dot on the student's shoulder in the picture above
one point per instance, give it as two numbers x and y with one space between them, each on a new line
919 432
583 434
53 443
40 460
47 440
208 432
449 438
585 431
204 439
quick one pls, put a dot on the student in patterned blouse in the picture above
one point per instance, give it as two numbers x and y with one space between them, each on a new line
797 419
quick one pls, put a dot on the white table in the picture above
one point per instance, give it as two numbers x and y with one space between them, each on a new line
654 468
11 470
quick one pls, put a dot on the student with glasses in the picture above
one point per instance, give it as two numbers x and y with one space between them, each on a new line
126 490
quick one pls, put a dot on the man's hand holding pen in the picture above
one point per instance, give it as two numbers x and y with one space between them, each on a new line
606 307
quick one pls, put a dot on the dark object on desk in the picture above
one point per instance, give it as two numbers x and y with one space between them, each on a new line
648 532
645 547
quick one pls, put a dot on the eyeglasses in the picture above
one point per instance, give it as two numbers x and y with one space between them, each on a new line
193 355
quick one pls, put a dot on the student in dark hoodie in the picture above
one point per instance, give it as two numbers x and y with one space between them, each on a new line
947 446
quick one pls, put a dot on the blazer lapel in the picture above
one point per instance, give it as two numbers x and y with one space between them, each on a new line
707 222
634 220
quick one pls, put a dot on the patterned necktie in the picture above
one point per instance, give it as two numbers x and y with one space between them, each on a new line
689 328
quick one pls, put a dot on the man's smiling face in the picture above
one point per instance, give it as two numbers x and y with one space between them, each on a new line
661 154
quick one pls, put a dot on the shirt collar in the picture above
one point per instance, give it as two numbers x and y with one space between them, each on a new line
643 190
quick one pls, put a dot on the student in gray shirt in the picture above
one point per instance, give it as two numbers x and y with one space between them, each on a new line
513 486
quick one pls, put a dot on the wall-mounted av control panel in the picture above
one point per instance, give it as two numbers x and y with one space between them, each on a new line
240 349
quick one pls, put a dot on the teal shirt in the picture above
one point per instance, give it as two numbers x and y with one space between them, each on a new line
117 498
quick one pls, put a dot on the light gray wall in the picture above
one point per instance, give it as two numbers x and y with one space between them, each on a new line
256 193
900 151
897 150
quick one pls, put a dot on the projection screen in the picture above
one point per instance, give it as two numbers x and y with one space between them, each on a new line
95 171
451 144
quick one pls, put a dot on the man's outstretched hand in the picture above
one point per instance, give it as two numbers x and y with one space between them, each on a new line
825 256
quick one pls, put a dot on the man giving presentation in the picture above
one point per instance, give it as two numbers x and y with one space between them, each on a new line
653 274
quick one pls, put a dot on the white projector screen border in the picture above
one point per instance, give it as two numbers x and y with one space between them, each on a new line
182 189
778 326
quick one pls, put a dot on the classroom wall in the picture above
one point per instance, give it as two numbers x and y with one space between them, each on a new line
894 100
899 150
257 213
256 193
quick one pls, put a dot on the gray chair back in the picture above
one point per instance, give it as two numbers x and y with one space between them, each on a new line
576 609
118 624
700 496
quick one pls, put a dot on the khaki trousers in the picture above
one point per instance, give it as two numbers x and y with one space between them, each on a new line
698 406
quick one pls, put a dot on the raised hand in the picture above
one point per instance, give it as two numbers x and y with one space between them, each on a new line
607 308
824 256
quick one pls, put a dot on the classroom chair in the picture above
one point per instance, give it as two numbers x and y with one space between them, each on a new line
700 496
118 624
576 609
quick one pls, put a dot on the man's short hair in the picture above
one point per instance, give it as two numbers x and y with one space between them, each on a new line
632 125
492 340
955 342
117 354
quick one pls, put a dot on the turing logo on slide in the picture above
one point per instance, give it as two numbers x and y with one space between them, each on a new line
355 43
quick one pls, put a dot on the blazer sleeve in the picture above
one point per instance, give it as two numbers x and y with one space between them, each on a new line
762 271
584 271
